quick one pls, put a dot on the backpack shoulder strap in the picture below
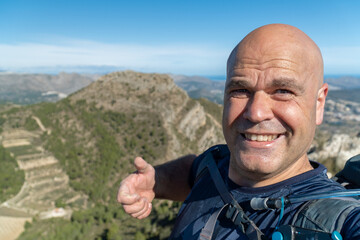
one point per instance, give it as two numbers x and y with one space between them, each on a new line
218 152
233 210
326 215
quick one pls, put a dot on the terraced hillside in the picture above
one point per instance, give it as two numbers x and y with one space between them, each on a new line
45 187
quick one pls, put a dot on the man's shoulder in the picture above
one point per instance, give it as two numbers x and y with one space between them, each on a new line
219 152
313 181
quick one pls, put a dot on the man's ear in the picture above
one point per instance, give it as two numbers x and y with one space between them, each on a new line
320 103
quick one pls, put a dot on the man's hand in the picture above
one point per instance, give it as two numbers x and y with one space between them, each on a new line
136 191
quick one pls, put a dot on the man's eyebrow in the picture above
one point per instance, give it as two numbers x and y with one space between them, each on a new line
288 83
237 83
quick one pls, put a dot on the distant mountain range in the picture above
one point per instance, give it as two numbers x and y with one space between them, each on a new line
28 88
343 82
34 88
201 87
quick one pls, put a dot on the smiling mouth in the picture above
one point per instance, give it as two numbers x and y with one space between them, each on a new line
260 137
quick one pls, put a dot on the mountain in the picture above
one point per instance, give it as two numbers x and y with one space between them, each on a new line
139 94
29 88
343 82
352 95
201 87
33 88
89 140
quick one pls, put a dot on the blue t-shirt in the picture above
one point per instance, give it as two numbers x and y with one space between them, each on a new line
204 200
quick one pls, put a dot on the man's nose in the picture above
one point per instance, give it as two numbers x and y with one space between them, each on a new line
258 108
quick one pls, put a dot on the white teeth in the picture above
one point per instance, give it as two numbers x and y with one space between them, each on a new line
261 138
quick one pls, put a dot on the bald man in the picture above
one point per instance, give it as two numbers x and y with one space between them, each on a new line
274 98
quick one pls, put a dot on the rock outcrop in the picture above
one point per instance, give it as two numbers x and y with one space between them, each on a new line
340 148
185 119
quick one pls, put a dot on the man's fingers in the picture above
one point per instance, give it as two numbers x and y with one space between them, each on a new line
136 207
125 197
142 211
141 165
147 213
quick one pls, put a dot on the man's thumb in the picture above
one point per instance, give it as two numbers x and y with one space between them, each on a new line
141 165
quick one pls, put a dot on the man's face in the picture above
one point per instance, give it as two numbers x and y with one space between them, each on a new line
272 104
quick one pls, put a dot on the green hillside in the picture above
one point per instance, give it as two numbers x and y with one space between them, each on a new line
95 135
11 178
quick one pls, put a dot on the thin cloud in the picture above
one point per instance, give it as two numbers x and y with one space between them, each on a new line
176 58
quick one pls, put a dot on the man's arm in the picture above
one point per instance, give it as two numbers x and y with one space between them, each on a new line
172 179
167 181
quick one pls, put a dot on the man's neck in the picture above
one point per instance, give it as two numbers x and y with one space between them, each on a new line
256 180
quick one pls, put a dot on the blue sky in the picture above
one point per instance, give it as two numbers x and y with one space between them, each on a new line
183 37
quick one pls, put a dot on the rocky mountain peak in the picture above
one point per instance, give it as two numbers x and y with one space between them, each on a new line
132 90
186 120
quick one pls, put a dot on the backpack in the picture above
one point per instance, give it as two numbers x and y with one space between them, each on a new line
349 176
320 217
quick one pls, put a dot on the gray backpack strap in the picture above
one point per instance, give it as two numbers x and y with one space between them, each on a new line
208 230
326 215
234 212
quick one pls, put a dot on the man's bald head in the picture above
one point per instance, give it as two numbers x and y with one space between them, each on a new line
274 99
290 41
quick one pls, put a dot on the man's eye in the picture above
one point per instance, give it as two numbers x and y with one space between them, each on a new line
283 91
239 92
283 94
